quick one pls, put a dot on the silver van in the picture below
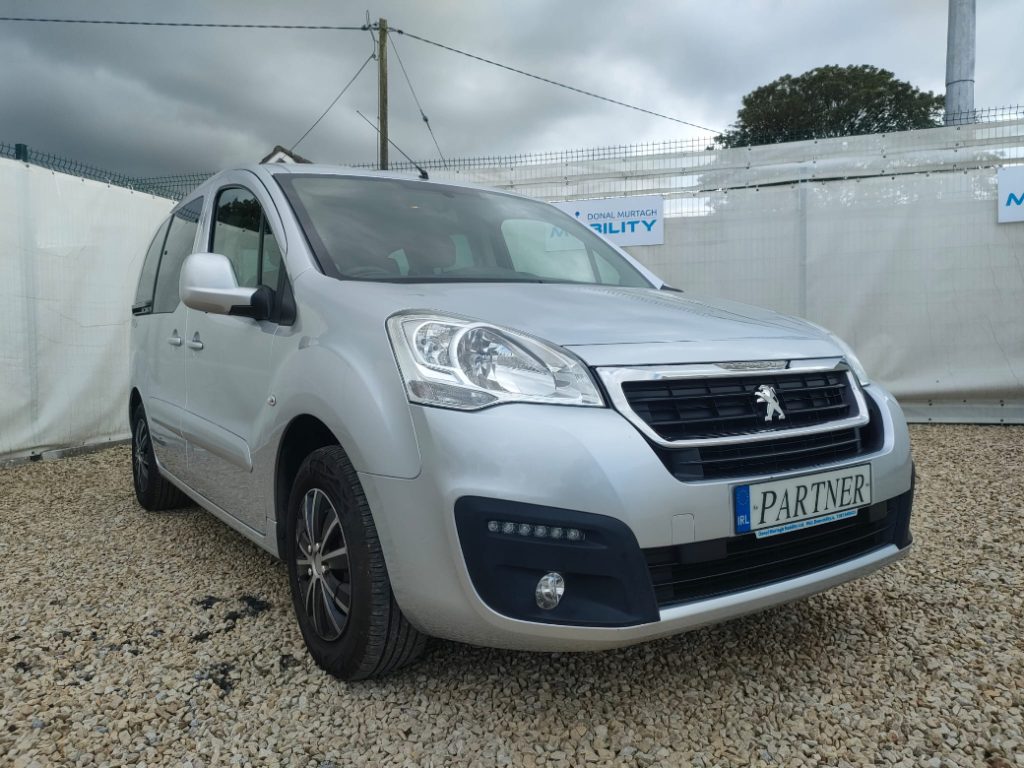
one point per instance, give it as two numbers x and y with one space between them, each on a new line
460 413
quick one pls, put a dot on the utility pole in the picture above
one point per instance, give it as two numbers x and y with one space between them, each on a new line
960 43
382 90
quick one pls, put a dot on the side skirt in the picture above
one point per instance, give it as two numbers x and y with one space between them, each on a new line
269 543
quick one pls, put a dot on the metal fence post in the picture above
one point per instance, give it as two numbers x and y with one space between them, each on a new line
21 152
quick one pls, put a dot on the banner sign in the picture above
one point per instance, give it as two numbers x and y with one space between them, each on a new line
1011 193
622 220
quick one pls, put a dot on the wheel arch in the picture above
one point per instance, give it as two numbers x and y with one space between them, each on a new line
304 434
134 401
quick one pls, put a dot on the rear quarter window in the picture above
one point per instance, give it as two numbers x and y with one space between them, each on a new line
178 246
147 278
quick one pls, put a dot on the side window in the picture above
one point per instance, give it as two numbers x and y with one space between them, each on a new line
180 240
147 277
242 233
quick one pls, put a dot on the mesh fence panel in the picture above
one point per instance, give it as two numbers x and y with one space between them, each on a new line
682 171
666 168
172 187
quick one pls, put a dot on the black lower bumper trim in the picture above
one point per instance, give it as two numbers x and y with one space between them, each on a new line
606 578
706 569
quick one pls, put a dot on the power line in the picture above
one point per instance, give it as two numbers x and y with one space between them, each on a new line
416 99
117 22
550 81
331 105
362 28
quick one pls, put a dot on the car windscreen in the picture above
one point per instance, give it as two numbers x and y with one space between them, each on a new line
383 229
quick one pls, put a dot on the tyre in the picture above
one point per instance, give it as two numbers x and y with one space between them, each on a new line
339 583
153 490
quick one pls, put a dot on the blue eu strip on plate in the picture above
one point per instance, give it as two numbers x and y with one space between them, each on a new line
742 496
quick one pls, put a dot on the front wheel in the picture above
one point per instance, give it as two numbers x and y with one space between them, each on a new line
339 583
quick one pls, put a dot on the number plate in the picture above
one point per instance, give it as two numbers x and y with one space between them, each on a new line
781 506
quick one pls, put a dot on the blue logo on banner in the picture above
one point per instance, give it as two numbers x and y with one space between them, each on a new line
1012 198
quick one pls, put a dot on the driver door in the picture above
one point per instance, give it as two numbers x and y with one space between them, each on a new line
228 357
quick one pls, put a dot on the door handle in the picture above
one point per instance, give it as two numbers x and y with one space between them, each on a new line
175 339
195 343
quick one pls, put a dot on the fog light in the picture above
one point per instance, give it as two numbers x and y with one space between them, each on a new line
550 589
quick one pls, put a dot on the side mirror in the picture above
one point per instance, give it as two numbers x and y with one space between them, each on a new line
208 284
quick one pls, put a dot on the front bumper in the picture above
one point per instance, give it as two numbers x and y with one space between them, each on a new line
594 461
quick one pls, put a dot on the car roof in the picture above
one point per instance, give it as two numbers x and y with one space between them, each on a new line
321 169
305 169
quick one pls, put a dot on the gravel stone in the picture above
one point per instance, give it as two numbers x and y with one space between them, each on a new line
166 639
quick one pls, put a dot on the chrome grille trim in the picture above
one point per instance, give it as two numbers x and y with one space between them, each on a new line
614 377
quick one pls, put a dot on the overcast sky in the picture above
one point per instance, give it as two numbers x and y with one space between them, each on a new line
153 101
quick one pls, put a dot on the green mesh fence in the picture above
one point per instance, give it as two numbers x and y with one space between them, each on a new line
172 187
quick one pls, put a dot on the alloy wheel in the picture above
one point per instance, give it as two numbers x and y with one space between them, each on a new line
322 566
140 459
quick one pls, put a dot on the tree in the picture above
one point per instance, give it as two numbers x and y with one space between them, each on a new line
832 101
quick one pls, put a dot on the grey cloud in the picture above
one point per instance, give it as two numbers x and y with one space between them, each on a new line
160 101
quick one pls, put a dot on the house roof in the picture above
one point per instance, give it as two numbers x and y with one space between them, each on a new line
281 155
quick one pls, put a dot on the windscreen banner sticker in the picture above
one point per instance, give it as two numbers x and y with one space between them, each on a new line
635 220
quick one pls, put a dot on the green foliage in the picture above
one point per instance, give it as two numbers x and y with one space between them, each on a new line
832 101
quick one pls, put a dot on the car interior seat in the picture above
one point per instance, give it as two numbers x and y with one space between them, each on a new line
430 254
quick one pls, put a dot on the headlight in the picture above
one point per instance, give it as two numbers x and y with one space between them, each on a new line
452 362
851 359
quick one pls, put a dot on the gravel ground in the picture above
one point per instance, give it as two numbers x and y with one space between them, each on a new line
133 638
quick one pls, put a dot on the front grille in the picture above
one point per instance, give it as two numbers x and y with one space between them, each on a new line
780 453
695 408
689 572
763 457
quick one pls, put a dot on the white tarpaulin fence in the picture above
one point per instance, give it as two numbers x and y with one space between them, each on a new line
913 272
70 253
891 241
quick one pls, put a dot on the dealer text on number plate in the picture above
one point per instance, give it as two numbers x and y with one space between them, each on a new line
781 506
